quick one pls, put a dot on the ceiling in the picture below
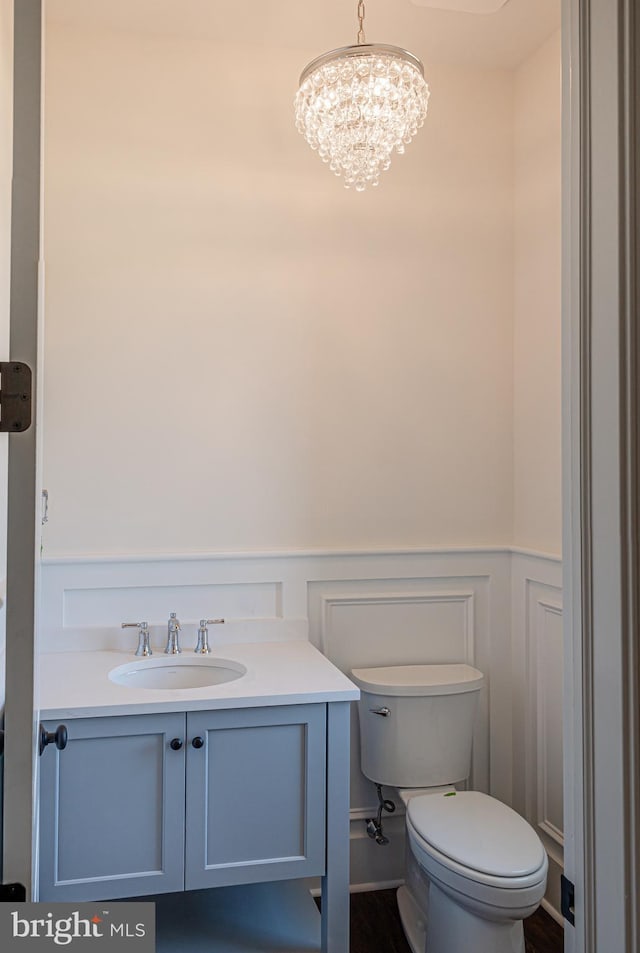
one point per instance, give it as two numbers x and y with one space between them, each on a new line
503 38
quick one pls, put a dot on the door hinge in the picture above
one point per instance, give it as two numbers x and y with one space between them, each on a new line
13 893
15 396
567 899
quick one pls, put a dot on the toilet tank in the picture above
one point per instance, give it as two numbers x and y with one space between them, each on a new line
416 723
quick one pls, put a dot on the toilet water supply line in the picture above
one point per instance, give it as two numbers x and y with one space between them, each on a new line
374 825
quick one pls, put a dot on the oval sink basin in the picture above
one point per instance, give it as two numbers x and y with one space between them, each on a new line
177 672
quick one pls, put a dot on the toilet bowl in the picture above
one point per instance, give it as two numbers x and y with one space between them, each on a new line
475 868
485 867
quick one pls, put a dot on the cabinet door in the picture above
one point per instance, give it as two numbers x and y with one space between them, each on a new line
112 809
255 795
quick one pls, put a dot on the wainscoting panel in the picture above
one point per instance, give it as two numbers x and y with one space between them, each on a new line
109 606
427 608
402 622
548 681
85 601
537 739
492 608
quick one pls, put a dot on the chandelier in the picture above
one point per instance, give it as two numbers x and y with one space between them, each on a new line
359 104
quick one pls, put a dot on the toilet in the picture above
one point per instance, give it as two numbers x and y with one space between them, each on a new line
475 868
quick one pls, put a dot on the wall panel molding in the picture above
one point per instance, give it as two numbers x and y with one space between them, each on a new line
419 598
537 646
548 682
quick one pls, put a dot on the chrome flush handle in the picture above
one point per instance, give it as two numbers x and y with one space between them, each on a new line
385 712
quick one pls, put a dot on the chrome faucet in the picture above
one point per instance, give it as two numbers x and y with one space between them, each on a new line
144 646
202 648
173 636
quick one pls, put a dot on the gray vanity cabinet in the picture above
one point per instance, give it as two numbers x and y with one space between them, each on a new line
112 808
255 795
148 804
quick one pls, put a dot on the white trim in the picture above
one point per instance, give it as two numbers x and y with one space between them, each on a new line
92 558
574 167
211 581
554 608
539 599
552 831
601 373
417 597
366 888
375 885
364 813
535 554
23 488
553 913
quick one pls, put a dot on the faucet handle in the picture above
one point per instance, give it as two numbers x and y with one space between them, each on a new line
144 646
202 648
173 636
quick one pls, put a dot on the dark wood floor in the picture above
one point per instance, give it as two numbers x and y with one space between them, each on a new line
376 927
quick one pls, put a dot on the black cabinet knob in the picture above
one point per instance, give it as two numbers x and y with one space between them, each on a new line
175 744
198 742
58 737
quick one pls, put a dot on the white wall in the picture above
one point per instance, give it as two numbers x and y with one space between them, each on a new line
536 394
242 355
6 145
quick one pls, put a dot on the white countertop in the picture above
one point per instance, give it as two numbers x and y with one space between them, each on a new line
77 684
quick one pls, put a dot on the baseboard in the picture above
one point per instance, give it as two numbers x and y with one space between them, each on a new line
378 885
363 888
364 813
553 913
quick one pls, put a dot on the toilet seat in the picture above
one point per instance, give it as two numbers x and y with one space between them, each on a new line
477 833
463 845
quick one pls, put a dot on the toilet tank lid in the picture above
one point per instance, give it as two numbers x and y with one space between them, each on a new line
450 679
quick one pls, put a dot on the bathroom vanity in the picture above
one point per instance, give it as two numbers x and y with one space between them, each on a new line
163 791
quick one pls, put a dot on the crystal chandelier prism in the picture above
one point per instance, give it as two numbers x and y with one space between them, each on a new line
359 104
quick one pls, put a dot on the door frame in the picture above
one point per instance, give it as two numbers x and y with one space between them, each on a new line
601 482
23 524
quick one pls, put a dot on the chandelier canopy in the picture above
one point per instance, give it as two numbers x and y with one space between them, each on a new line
359 104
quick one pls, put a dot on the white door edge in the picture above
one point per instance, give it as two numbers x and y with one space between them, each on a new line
23 524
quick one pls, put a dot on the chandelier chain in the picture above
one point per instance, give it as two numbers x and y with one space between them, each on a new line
361 13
